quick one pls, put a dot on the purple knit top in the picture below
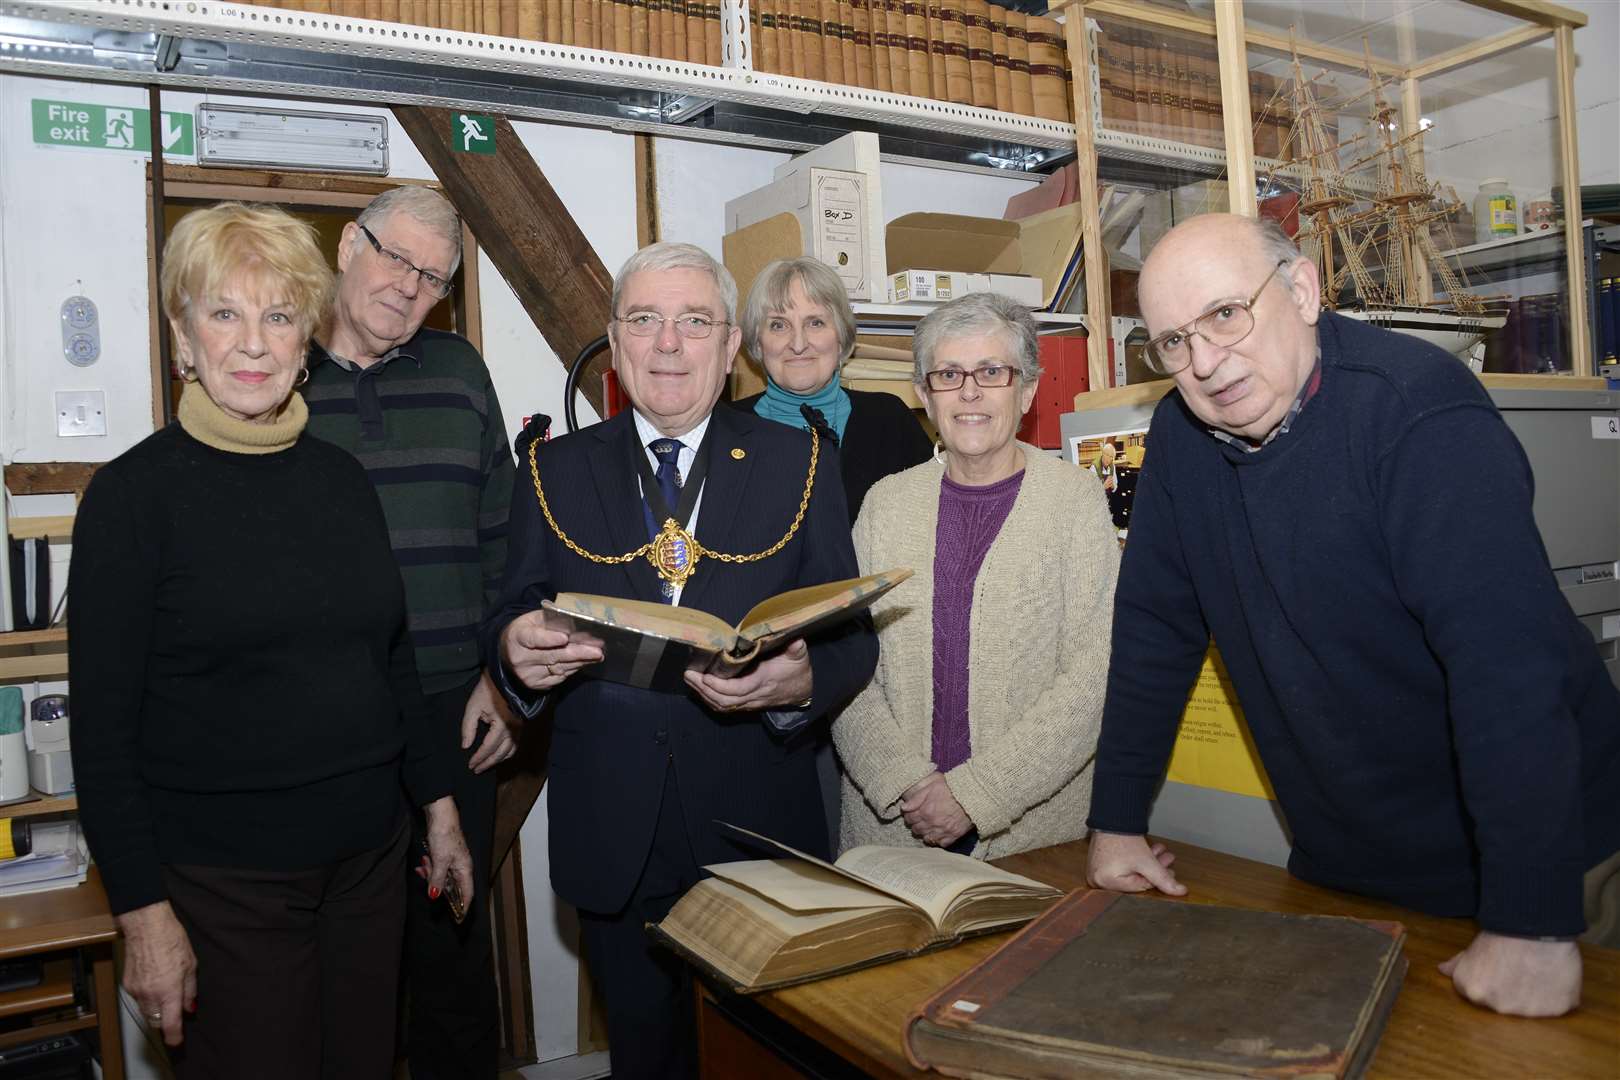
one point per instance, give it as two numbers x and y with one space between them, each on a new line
970 518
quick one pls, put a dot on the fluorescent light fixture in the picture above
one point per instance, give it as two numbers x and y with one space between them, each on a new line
233 136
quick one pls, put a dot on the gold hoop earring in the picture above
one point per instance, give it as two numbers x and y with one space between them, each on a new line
303 376
187 374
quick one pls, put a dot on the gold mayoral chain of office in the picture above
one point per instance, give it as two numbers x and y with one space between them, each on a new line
674 552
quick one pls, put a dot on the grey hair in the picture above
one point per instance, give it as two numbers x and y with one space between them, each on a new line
422 204
771 291
978 313
666 255
1274 243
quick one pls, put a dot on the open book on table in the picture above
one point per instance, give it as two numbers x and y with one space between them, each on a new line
761 924
652 645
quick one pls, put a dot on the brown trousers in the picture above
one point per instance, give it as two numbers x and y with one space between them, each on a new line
297 971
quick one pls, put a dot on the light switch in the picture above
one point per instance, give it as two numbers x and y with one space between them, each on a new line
80 412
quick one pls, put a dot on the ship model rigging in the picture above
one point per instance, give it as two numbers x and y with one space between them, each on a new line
1365 207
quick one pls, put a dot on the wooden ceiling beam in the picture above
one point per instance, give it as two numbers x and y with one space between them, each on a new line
522 224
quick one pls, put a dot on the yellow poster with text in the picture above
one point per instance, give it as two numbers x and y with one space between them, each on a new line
1214 748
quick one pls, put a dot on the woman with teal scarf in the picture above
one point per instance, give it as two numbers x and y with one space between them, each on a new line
798 324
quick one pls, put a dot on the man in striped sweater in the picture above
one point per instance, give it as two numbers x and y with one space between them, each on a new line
416 407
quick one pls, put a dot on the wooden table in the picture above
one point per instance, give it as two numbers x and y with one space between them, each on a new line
1432 1031
61 921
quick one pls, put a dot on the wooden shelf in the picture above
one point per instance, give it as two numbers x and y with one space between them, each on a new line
48 636
40 804
38 528
55 991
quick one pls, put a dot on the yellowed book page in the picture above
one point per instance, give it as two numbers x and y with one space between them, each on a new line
795 613
930 878
802 887
676 623
925 878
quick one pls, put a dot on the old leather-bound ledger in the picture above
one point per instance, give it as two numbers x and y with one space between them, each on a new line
1111 984
767 923
860 20
832 42
1023 98
958 84
1046 68
981 61
1001 58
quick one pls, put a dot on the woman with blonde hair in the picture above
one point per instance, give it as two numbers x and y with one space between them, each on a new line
245 700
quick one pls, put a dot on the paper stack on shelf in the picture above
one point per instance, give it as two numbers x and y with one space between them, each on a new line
59 860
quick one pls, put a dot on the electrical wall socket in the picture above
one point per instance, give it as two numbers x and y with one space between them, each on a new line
80 412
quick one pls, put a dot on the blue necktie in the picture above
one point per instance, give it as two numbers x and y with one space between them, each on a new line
668 453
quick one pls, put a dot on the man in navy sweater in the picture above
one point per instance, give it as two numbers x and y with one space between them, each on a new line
1346 513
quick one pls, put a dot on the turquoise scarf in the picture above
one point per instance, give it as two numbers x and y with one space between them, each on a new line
783 406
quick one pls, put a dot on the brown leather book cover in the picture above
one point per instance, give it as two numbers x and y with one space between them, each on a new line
1107 984
937 52
899 61
1046 68
767 59
860 35
622 27
878 16
697 34
914 14
641 22
958 83
584 24
1023 98
832 42
674 23
846 42
812 58
1001 58
981 61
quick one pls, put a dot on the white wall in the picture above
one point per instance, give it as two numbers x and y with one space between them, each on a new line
1504 119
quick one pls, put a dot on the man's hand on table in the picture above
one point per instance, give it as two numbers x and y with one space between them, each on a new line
1127 864
1518 976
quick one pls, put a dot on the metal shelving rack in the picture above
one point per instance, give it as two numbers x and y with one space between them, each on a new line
204 44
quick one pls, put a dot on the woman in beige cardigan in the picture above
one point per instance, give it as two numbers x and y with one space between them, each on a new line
978 730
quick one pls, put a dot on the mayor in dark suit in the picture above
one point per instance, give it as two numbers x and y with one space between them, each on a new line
638 778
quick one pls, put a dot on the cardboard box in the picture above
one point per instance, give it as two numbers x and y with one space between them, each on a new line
856 152
1044 246
828 208
939 286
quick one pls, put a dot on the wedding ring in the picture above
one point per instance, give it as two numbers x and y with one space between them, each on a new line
156 1018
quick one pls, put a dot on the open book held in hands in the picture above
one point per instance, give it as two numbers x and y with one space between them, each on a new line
652 645
762 924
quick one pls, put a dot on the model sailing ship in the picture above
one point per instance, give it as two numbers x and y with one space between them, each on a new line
1364 214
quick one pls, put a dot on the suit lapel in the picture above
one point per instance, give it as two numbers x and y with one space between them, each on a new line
613 468
722 493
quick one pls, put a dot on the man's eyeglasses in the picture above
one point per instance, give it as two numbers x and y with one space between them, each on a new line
1223 325
403 267
986 376
692 325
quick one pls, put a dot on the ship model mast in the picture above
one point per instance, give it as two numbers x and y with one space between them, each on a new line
1370 236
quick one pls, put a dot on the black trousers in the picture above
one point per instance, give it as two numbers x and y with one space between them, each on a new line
453 1024
647 990
296 970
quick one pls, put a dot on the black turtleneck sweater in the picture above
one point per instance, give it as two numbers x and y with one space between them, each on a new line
244 692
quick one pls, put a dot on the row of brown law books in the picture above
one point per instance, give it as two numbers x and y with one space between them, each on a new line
969 52
670 29
1167 85
1099 984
